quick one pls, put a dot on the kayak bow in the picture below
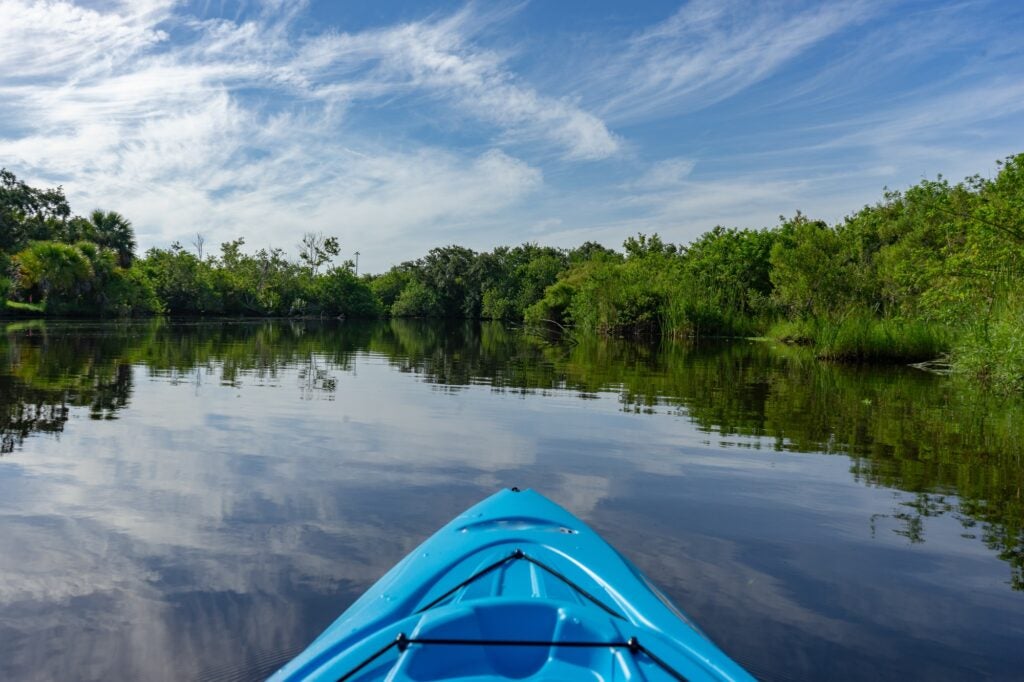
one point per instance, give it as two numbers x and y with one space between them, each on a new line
516 587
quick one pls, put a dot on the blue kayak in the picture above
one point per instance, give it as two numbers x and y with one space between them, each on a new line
514 588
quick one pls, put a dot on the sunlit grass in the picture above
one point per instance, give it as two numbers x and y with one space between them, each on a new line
863 338
18 308
994 351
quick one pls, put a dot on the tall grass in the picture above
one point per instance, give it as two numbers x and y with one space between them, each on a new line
865 338
17 309
993 349
696 319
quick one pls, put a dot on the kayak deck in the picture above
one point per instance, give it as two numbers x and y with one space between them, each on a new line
514 588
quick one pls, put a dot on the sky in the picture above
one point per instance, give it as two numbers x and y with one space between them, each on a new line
398 126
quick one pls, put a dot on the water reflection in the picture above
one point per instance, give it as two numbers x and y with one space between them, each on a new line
259 476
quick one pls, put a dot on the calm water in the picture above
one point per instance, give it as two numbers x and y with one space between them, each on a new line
200 500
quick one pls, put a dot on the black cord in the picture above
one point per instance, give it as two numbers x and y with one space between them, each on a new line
402 643
520 554
573 585
467 581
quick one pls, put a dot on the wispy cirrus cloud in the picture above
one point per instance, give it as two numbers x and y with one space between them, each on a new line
40 41
439 60
710 50
121 63
239 126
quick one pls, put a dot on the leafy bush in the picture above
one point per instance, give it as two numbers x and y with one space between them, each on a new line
416 300
46 269
340 292
389 285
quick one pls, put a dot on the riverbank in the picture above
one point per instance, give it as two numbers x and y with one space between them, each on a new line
931 271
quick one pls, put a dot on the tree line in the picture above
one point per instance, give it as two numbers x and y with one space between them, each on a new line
927 272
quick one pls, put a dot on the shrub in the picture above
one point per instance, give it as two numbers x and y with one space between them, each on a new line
416 300
340 292
993 350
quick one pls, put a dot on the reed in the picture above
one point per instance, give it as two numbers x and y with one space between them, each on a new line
993 349
864 338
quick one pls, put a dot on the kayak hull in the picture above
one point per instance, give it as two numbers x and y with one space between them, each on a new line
514 588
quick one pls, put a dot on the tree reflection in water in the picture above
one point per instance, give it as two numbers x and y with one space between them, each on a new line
955 447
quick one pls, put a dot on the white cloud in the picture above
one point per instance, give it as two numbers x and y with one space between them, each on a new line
664 174
239 127
938 117
56 39
439 58
545 225
710 50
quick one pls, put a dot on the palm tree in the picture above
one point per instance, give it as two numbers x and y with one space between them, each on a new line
114 231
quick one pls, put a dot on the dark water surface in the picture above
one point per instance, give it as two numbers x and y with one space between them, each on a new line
200 500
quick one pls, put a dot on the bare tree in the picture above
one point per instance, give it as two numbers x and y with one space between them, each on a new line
198 243
315 249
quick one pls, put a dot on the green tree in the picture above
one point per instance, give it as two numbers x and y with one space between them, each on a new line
46 269
446 273
808 268
417 300
29 214
511 280
730 269
388 286
183 284
114 231
340 292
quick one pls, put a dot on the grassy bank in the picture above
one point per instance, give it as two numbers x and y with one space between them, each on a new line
18 309
863 338
992 350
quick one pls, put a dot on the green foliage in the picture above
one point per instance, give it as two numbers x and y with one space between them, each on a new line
316 250
511 280
448 274
730 270
810 269
47 269
81 279
628 297
417 300
554 305
924 271
994 350
456 282
184 284
73 265
713 287
799 332
861 337
29 214
112 230
588 251
129 292
18 308
340 292
389 285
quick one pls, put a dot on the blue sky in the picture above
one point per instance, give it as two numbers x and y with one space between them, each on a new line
398 126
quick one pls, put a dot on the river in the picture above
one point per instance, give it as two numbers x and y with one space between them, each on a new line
198 500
